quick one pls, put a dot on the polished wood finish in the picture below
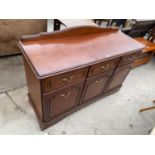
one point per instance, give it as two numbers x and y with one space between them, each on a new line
61 80
127 59
119 76
95 86
74 67
60 46
149 45
62 100
147 52
103 67
34 88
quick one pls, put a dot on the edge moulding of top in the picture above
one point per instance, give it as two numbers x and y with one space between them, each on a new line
68 32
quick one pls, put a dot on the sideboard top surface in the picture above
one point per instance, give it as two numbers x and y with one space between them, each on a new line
60 51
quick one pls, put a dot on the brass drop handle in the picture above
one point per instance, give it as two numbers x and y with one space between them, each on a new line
69 79
66 95
97 81
130 58
105 67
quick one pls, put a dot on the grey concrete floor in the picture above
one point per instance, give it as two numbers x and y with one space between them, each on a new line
12 73
114 114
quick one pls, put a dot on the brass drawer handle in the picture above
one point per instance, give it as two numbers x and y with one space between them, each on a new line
66 95
98 81
69 79
105 67
130 58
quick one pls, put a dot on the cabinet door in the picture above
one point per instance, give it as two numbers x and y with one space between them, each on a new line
94 87
61 101
118 77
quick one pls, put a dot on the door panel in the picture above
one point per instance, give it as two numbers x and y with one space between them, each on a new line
119 76
94 87
62 100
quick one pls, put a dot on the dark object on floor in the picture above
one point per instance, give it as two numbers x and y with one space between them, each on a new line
84 69
12 29
131 126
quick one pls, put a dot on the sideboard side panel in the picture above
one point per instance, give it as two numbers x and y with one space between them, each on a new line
34 90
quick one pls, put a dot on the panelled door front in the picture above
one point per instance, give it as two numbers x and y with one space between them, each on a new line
118 77
61 101
94 87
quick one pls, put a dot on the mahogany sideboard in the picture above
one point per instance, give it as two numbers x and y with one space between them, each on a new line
69 69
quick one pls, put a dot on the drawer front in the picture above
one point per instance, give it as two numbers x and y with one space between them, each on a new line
64 79
94 86
146 55
103 67
58 102
128 59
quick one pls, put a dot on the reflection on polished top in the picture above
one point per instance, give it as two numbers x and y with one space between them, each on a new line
52 53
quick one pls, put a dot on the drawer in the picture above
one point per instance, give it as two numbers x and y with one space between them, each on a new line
103 67
59 102
64 79
145 55
128 59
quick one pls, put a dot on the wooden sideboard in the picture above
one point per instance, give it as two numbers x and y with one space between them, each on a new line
68 69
